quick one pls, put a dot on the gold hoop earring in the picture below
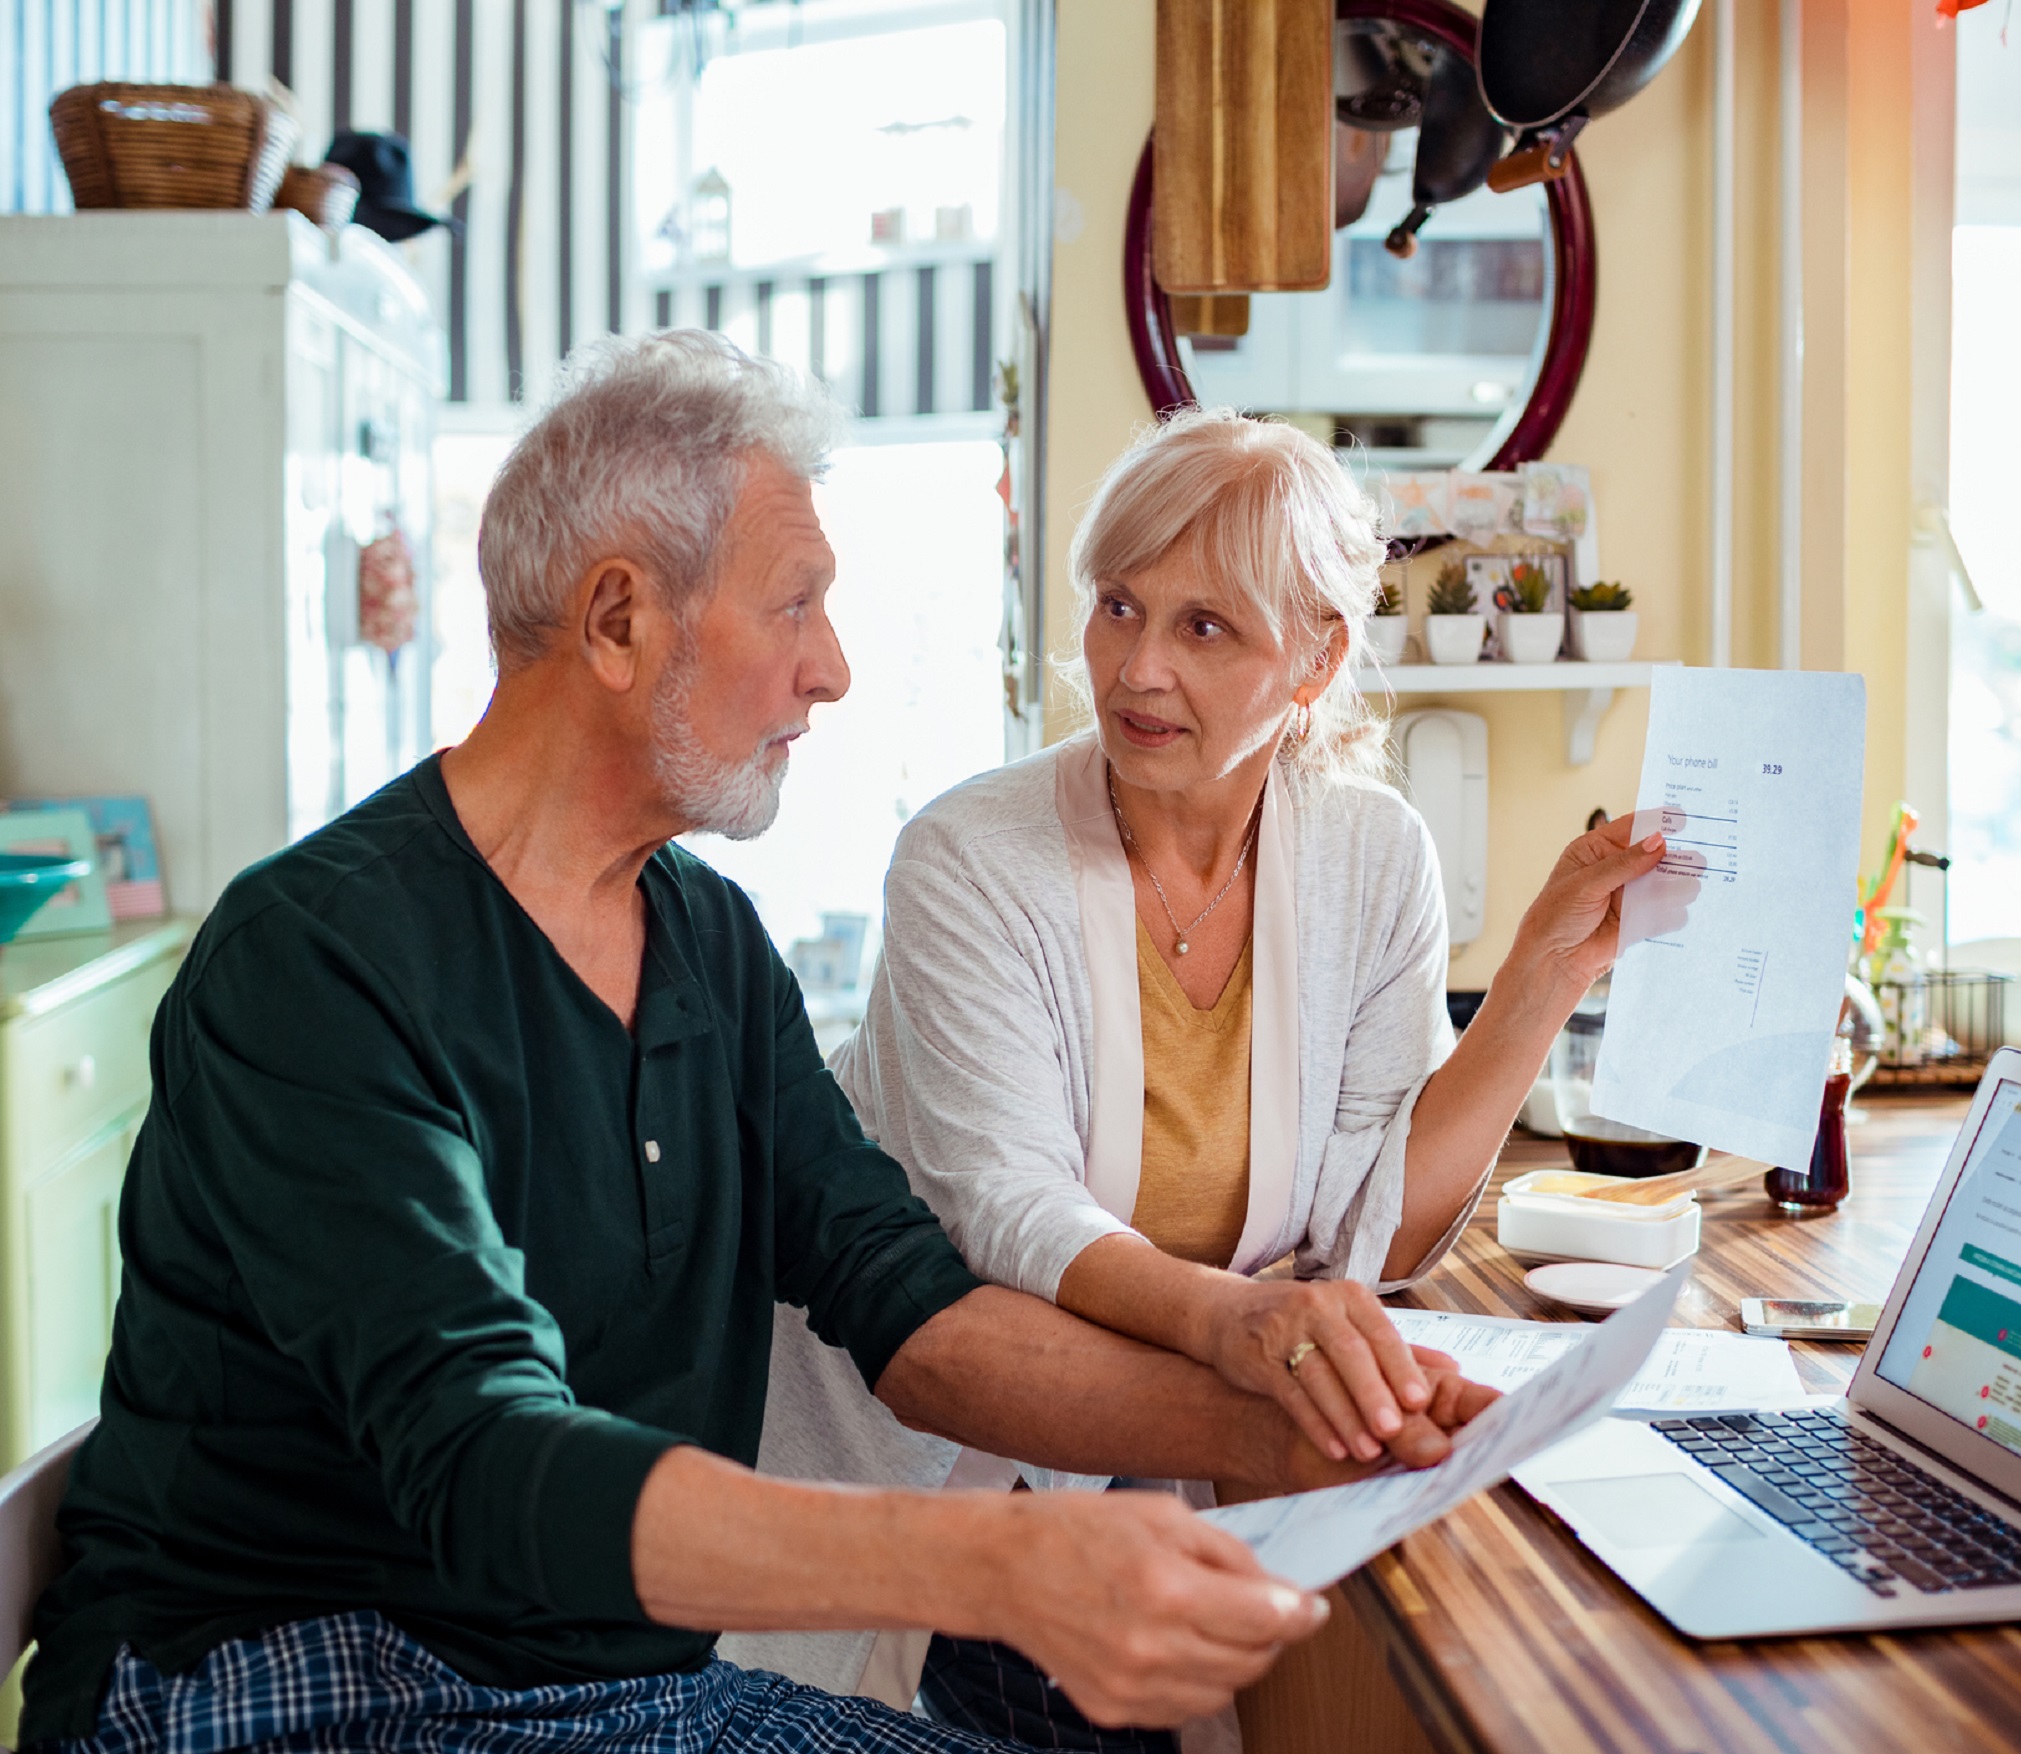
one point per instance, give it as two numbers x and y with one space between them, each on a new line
1301 725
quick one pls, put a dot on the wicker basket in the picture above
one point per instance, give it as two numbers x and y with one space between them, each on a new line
327 193
171 145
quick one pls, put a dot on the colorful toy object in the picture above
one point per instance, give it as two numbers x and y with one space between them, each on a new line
1875 896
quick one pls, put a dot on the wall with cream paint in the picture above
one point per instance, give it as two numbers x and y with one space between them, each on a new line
1641 421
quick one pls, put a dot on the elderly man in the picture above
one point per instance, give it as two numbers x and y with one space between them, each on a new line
488 1128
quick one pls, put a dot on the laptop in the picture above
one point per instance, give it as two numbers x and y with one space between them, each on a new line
1896 1505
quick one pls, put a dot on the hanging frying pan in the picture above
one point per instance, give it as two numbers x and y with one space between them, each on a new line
1548 67
1379 75
1458 144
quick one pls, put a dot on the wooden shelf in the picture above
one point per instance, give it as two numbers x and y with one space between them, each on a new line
1587 689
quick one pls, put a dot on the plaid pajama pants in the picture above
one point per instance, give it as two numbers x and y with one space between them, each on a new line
356 1682
989 1689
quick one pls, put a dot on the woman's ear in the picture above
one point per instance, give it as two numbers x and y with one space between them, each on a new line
1326 663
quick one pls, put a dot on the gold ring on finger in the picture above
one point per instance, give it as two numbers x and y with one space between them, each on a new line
1299 1354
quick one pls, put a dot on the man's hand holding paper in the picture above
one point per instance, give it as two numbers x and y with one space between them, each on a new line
1312 1538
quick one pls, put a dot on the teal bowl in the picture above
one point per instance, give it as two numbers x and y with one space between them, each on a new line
27 880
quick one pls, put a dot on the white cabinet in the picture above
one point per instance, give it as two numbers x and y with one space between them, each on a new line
75 1017
203 417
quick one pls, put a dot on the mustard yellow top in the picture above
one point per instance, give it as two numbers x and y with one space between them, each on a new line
1193 1190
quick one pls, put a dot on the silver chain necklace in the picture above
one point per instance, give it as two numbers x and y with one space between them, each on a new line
1130 840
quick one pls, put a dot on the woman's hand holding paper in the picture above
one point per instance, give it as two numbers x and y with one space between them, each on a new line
1571 933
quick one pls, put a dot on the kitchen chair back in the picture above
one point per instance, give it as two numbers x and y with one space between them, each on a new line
29 1554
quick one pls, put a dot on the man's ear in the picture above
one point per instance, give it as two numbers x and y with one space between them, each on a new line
1326 665
609 599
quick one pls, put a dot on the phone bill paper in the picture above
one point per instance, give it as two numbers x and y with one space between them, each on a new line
1732 969
1312 1538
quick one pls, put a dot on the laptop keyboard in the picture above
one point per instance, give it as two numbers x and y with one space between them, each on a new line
1856 1501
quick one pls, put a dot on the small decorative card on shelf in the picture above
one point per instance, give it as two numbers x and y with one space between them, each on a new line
128 865
1481 507
1554 500
1558 502
1418 504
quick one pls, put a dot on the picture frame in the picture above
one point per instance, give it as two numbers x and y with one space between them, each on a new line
79 906
1489 573
123 828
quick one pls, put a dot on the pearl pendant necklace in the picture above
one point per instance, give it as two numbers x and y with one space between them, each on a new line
1181 933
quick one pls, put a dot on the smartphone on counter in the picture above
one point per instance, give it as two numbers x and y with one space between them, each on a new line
1793 1319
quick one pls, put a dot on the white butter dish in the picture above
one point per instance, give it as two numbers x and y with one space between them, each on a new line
1540 1218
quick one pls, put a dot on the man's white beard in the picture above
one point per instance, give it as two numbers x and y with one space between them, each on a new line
737 800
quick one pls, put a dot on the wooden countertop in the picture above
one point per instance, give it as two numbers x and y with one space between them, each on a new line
1502 1633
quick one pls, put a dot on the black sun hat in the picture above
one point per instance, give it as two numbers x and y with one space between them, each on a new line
385 185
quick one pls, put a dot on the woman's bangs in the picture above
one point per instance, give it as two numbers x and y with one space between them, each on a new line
1242 540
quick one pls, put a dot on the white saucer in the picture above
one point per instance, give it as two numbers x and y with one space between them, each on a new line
1591 1287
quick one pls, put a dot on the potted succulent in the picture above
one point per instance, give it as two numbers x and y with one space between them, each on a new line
1531 631
1386 624
1453 626
1603 626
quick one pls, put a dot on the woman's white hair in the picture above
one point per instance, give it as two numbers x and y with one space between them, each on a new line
641 453
1268 512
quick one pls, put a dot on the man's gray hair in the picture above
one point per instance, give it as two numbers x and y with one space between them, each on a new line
640 454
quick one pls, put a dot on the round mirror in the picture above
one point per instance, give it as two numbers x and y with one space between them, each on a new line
1453 332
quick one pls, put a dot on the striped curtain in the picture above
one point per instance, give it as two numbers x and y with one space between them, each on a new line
47 46
516 114
908 341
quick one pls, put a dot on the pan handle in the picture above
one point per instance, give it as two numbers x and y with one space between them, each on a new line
1402 243
1541 156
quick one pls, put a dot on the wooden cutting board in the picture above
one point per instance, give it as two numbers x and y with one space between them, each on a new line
1211 313
1243 147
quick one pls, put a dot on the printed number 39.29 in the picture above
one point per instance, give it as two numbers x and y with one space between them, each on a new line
1771 767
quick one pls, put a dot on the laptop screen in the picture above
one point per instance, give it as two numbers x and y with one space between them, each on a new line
1957 1344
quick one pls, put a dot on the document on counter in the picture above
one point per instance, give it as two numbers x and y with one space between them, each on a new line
1732 969
1312 1538
1689 1370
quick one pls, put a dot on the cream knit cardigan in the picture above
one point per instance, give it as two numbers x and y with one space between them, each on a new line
1000 1060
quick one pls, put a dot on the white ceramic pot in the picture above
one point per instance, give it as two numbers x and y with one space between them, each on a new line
1532 639
1603 636
1455 639
1386 634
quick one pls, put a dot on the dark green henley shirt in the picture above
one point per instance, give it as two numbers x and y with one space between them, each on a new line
428 1259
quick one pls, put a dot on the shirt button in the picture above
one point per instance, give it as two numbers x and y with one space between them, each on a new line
652 1150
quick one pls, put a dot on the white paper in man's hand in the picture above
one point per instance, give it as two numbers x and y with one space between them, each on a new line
1726 992
1312 1538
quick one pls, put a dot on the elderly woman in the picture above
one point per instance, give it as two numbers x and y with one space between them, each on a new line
1165 1004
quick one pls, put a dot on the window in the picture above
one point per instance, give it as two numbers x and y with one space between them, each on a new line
918 535
824 183
1985 756
827 182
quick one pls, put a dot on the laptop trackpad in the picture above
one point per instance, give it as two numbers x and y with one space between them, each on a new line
1651 1510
